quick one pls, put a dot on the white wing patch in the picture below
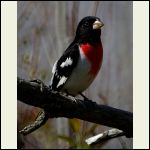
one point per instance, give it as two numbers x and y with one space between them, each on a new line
66 63
53 72
62 81
54 67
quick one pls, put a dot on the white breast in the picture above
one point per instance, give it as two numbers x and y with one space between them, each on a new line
80 78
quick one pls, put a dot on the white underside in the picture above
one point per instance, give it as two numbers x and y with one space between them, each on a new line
80 78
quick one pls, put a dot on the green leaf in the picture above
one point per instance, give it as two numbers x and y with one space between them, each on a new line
75 125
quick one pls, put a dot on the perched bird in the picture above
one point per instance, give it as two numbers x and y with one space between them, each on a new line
75 70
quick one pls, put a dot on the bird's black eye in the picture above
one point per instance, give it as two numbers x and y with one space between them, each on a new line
86 24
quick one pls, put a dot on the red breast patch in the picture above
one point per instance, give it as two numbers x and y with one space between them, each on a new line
94 54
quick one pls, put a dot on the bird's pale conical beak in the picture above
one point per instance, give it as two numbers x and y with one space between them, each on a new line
97 24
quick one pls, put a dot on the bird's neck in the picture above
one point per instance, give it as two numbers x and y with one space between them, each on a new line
92 38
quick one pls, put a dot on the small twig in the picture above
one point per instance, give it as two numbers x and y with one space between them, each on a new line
40 120
113 133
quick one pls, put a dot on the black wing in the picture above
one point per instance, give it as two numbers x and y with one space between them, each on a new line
64 66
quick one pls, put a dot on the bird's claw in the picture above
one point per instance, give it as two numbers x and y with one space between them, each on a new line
73 99
85 98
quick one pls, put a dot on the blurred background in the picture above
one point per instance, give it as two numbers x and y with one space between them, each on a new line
45 29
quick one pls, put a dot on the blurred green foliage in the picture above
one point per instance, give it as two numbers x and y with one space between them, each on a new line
79 132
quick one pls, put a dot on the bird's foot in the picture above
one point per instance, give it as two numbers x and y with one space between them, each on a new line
70 96
85 98
73 99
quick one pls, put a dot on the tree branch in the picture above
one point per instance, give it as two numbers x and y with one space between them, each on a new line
58 105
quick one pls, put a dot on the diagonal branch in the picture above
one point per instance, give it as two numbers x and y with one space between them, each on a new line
40 120
58 105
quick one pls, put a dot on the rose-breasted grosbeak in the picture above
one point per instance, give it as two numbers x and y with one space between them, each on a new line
80 63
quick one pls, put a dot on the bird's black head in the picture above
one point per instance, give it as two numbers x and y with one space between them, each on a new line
89 28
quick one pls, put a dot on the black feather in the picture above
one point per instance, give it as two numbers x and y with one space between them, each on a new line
71 52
